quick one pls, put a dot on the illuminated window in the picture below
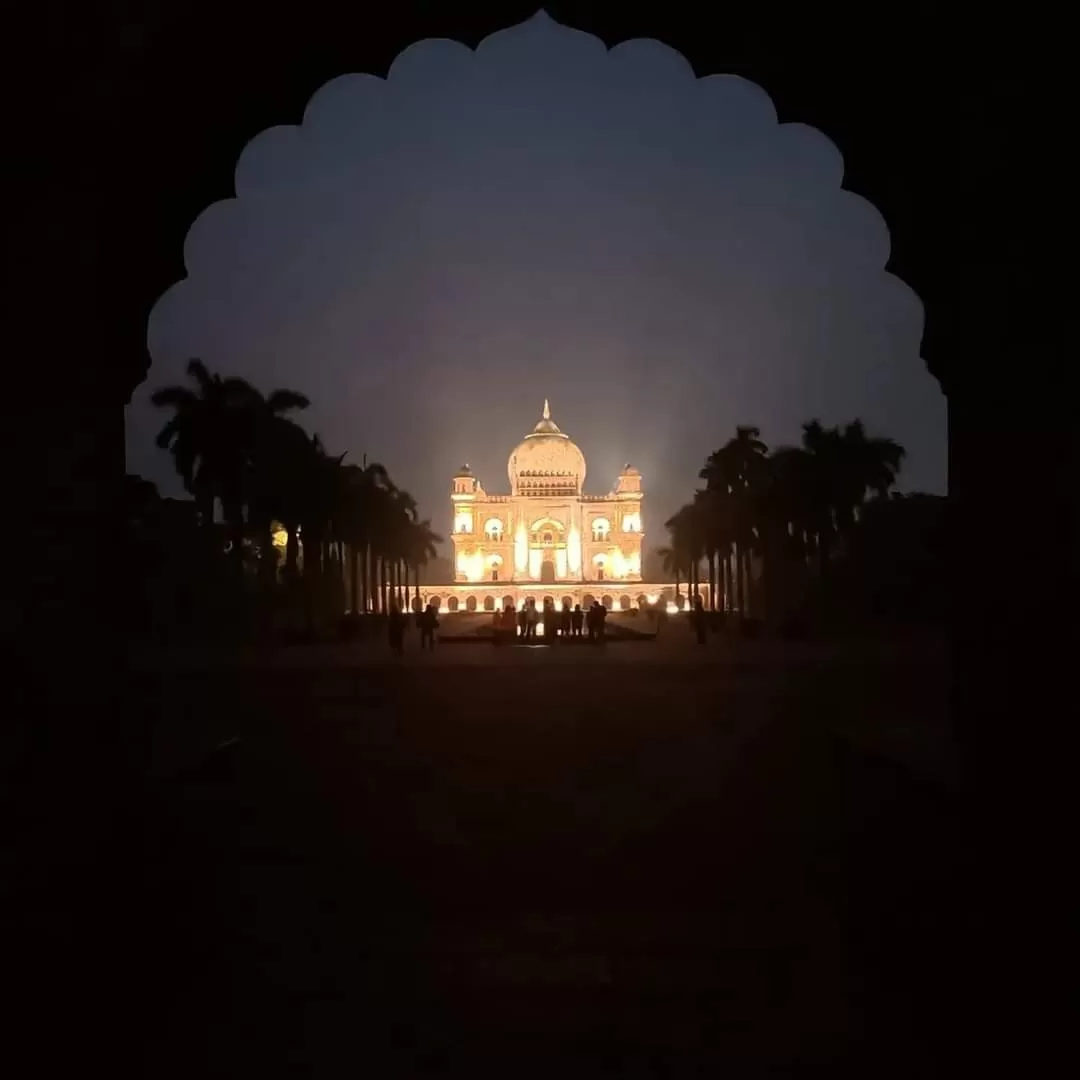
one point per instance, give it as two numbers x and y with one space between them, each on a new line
493 529
547 538
601 528
631 522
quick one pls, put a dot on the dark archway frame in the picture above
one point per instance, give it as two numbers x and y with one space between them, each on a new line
140 116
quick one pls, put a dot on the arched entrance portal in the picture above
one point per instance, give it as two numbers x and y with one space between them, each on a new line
896 159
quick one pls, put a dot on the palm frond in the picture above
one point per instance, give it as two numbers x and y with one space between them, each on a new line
278 401
200 373
173 397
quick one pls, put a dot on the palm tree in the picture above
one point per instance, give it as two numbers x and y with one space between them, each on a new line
365 489
687 527
403 516
736 471
671 559
845 466
214 435
420 547
280 488
279 449
201 435
717 511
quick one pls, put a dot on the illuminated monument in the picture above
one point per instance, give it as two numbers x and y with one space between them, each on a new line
546 539
546 531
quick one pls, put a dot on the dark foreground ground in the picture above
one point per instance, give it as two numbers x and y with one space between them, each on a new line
647 860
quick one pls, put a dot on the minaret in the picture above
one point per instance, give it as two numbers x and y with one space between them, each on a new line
547 410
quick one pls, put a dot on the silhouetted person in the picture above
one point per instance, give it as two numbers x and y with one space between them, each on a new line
565 619
429 621
396 629
601 622
523 619
577 620
505 624
532 617
698 618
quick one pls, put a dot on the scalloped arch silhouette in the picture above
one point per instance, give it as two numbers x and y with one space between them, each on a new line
758 112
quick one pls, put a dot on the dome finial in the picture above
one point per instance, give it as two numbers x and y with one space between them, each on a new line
547 410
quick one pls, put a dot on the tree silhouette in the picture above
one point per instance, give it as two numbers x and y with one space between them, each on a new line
782 508
345 524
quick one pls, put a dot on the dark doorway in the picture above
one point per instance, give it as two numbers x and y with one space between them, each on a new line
547 572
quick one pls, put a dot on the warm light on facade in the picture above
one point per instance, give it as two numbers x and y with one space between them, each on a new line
573 551
471 565
521 549
546 520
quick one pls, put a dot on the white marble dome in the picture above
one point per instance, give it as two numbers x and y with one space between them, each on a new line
546 462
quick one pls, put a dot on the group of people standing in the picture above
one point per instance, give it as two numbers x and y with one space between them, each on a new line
510 624
427 621
565 623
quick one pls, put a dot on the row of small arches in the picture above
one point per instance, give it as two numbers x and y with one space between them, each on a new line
601 530
488 603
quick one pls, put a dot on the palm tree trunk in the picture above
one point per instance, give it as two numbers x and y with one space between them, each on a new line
354 566
737 579
292 552
712 579
747 599
365 575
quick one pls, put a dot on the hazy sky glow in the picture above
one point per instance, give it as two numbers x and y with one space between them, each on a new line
430 256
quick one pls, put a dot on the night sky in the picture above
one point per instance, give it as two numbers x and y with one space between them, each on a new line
430 256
